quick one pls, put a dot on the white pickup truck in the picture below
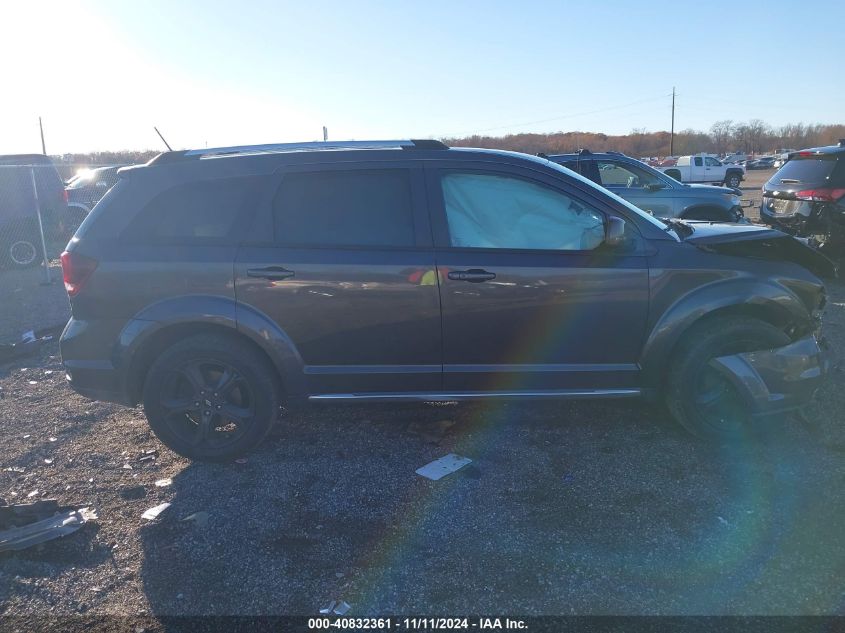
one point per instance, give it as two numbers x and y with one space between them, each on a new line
706 169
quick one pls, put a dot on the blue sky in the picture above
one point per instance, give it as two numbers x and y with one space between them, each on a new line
215 72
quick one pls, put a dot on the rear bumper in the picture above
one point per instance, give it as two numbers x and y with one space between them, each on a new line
89 368
779 379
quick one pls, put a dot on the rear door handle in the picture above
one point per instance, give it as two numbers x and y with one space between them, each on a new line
273 273
473 275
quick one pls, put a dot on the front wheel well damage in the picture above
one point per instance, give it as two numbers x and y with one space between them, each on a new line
162 339
773 315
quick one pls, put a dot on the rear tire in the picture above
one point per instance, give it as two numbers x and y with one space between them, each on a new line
733 180
211 398
698 396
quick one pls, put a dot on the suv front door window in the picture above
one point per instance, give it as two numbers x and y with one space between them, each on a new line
527 286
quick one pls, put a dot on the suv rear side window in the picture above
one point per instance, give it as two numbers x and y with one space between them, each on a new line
345 208
200 210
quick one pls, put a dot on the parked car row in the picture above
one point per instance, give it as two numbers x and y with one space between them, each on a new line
212 291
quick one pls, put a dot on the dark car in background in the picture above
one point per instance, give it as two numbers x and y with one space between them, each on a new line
85 190
652 190
764 162
214 285
20 239
806 197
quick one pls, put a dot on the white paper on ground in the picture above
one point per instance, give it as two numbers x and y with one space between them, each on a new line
439 468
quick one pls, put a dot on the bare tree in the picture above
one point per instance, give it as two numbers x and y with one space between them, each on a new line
721 132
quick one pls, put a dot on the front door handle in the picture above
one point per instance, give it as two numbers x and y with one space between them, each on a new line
473 275
273 273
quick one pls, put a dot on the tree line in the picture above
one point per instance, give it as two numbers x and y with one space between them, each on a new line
752 137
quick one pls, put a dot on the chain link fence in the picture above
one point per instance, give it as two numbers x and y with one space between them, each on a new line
35 226
34 222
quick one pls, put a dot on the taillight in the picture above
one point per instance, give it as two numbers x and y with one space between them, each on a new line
76 269
65 195
824 194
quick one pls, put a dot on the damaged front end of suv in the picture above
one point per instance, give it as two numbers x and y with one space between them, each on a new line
766 296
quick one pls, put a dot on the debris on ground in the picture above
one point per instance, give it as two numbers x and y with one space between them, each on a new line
28 345
148 456
439 468
342 608
199 518
337 607
153 513
163 483
27 524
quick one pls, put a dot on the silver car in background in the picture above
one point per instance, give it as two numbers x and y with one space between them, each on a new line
652 190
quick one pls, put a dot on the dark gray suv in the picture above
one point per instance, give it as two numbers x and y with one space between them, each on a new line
214 285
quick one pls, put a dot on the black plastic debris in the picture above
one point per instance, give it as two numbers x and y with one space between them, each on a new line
27 524
29 343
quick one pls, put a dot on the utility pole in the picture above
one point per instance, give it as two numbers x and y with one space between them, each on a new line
43 146
672 133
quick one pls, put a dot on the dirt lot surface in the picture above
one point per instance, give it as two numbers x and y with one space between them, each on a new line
752 190
567 508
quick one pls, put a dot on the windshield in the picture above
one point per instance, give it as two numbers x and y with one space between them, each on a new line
602 190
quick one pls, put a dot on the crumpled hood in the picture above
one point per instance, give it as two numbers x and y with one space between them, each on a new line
759 242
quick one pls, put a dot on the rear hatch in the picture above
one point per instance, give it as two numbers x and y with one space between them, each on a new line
806 178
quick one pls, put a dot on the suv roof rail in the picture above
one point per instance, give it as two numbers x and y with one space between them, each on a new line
274 148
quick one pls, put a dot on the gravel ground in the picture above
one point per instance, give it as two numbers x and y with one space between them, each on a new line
567 508
29 304
586 508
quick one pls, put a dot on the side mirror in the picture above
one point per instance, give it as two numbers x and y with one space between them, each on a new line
614 231
654 186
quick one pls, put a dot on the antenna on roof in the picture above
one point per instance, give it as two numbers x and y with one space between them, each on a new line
325 134
166 144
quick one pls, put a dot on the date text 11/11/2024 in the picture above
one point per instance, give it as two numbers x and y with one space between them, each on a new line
417 624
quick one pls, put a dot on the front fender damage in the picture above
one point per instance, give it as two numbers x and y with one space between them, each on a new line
778 379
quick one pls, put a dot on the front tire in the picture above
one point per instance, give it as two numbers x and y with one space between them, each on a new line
211 397
698 396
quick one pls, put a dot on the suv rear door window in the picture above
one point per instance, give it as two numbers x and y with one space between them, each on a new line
207 209
492 211
345 208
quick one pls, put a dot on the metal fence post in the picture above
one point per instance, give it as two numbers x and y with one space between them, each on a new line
46 260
